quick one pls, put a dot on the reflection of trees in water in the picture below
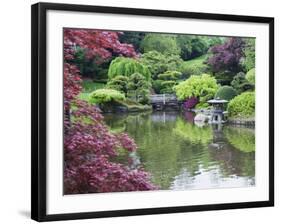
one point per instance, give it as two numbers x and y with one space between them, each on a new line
192 133
242 139
189 116
168 144
158 150
232 161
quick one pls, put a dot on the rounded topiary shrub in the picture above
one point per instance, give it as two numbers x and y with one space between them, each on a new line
242 105
126 67
102 96
226 93
250 76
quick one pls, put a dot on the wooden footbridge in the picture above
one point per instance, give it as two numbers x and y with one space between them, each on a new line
165 101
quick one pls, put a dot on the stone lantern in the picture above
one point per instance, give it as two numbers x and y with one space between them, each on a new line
217 114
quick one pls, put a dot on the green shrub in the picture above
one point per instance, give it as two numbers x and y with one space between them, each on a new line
170 75
202 86
158 63
139 88
241 84
167 86
166 82
226 93
126 67
224 77
157 85
195 66
242 105
119 83
102 96
250 76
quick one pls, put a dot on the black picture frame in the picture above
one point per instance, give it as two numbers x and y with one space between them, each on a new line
39 108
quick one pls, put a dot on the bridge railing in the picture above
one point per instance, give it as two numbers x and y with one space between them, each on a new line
162 98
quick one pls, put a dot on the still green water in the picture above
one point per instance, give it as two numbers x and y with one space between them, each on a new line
181 155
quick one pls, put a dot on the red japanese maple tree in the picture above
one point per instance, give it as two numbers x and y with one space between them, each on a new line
88 144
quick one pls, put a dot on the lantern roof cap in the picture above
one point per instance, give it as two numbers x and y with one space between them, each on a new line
217 101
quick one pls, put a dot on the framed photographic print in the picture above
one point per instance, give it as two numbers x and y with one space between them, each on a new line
139 111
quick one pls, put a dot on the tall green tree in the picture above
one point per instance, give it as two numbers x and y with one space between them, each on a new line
249 51
193 46
226 57
134 38
127 67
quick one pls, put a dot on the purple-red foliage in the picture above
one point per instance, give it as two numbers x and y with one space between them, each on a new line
89 146
190 103
227 56
96 43
88 150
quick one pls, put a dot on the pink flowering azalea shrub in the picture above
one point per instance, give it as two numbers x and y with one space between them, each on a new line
89 147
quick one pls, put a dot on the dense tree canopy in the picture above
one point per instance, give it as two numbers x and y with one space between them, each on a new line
134 38
127 67
248 61
227 56
163 43
192 46
96 43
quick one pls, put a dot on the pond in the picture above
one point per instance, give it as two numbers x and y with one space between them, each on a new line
180 155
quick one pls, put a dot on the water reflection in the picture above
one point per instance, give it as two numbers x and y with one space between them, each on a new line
181 155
